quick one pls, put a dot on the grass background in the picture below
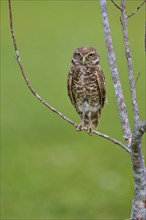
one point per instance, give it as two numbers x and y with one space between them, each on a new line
48 170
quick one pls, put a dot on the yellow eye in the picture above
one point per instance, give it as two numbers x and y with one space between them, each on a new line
90 55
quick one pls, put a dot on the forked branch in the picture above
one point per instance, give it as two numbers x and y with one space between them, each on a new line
42 100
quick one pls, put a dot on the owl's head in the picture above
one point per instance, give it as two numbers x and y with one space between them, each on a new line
85 55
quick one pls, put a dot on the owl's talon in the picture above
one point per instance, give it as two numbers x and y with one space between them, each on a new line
89 131
80 127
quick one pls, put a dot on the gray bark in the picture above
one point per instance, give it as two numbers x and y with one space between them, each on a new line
134 139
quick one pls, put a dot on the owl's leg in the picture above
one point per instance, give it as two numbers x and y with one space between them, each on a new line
81 125
89 127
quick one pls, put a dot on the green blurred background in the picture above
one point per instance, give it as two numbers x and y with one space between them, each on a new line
48 169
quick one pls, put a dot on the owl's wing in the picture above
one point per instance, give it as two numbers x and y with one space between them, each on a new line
101 84
70 88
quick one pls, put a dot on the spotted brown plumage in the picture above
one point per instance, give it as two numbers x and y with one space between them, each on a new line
86 86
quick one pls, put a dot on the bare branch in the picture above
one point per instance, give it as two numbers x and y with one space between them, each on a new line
136 10
138 210
113 140
115 75
116 5
129 62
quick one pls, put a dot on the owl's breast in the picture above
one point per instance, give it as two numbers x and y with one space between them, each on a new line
86 91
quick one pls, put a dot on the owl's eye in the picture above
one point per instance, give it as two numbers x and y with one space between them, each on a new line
78 55
90 55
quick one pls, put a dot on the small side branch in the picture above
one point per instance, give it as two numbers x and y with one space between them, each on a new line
137 78
136 10
113 140
115 75
129 62
117 6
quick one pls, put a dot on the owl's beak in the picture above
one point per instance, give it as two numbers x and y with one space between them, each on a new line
84 60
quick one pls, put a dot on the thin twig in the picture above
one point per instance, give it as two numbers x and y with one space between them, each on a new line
115 75
112 140
116 5
136 10
137 78
42 100
129 63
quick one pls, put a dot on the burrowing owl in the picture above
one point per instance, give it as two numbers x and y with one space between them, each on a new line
86 86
